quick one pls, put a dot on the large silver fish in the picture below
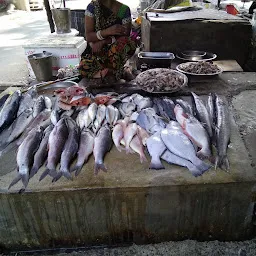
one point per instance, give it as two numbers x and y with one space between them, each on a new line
92 111
101 114
171 158
56 143
9 111
203 114
69 151
41 153
26 102
117 135
110 115
25 155
223 132
156 148
85 149
39 106
129 132
102 145
179 144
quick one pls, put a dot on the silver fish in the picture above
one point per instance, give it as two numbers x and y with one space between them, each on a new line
186 106
129 132
3 99
117 135
110 115
180 145
203 114
55 116
134 116
48 102
171 158
69 151
26 102
156 148
116 116
9 111
143 135
101 114
223 132
142 103
56 143
67 113
92 111
127 108
39 106
41 153
102 145
26 154
85 150
169 105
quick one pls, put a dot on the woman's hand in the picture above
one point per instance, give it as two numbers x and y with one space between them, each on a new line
115 30
97 46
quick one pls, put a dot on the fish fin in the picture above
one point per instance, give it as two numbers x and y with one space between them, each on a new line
78 170
99 167
203 167
222 161
33 172
157 165
120 148
194 170
67 175
57 176
25 179
15 180
52 173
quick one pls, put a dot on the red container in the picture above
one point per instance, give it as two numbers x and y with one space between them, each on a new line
231 9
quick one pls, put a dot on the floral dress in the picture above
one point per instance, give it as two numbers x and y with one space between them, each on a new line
111 56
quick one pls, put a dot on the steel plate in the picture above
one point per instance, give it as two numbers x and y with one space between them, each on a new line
207 57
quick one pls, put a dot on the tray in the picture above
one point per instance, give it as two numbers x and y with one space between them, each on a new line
179 68
161 59
207 57
49 89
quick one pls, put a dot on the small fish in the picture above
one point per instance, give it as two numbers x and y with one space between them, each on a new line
156 148
39 106
117 135
92 111
129 132
55 116
25 155
41 153
48 102
102 145
100 116
143 135
116 116
110 115
85 150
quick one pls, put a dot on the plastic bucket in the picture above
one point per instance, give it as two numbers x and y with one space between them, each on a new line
62 20
41 64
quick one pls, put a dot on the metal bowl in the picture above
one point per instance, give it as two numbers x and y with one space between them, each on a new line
193 53
157 59
207 57
49 89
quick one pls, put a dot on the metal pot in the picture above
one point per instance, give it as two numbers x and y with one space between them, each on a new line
62 20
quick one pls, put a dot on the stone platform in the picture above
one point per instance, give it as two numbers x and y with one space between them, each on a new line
132 204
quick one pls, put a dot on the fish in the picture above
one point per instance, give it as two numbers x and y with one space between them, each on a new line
156 148
85 150
9 111
142 103
100 116
102 99
80 119
127 108
203 114
195 131
67 113
41 154
129 132
92 111
80 100
117 135
186 106
69 151
56 143
16 128
55 116
223 132
169 105
116 116
3 99
130 98
210 108
48 102
26 102
37 121
110 115
25 155
143 135
179 144
171 158
137 147
134 116
39 106
102 145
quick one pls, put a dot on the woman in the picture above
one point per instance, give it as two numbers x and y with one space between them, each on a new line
108 27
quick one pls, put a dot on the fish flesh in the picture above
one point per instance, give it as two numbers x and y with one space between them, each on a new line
171 158
69 151
143 135
203 114
129 132
186 106
85 150
26 102
16 128
179 144
39 106
25 155
56 143
9 111
117 135
195 131
100 116
102 145
223 131
156 148
41 153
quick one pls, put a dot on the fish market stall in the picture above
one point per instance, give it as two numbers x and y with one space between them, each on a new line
125 165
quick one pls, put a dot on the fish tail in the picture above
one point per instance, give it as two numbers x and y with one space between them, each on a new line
99 167
67 175
119 148
78 170
143 158
25 179
222 161
52 173
156 165
203 167
33 172
57 176
15 180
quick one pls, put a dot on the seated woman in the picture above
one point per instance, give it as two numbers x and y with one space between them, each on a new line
108 28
